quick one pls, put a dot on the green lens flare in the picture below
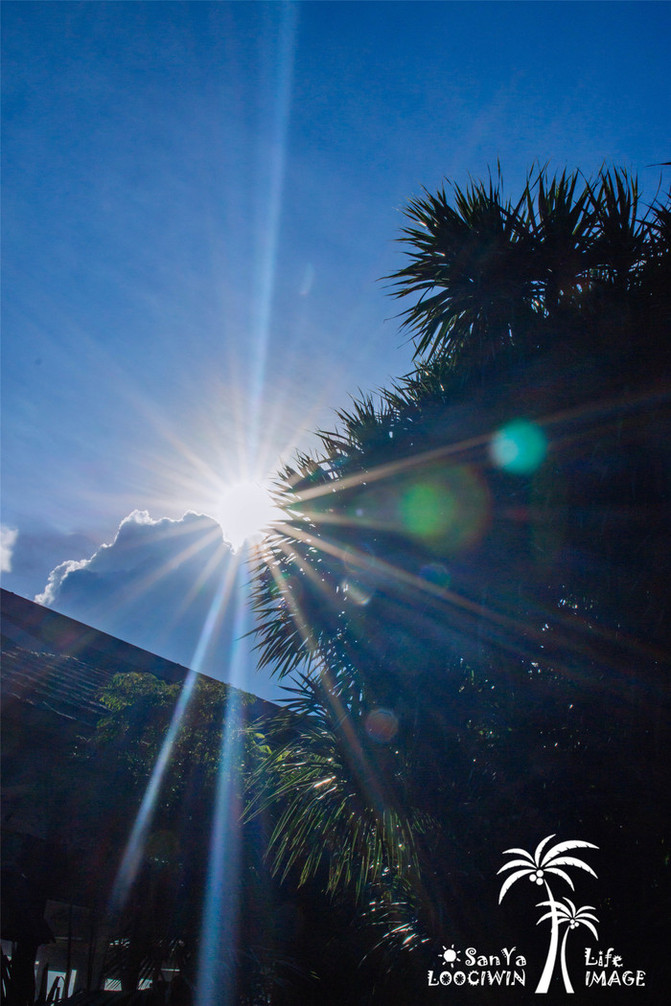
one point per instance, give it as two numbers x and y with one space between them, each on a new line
447 509
425 510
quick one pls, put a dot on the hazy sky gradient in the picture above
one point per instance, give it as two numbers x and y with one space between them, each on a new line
198 200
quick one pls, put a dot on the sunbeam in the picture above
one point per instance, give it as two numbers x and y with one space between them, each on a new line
497 626
132 856
239 501
270 221
207 538
217 957
355 575
134 851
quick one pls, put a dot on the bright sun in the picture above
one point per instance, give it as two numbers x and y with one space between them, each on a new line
245 511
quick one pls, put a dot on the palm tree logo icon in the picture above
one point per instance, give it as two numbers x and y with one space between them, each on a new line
537 868
572 917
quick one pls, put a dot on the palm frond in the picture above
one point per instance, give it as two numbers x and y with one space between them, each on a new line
512 879
570 861
562 847
334 815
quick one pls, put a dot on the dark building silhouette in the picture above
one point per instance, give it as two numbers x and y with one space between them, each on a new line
59 860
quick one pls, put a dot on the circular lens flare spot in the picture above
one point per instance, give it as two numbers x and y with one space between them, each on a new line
448 508
426 510
381 725
519 447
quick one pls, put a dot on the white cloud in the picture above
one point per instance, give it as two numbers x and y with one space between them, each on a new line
8 536
139 541
158 585
50 593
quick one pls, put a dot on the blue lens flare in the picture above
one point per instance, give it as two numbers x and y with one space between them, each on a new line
519 447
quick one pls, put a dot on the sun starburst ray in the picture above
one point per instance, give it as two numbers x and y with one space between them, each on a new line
473 610
134 850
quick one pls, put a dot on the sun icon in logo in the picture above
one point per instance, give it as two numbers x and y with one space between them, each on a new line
450 955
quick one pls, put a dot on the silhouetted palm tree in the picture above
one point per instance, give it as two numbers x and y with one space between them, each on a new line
493 277
477 604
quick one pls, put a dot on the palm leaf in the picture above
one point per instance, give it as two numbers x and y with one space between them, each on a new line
562 916
589 925
521 852
562 847
560 873
509 881
570 861
517 862
539 848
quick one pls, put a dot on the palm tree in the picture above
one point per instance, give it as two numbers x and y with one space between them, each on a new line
495 277
332 815
572 917
483 608
567 291
337 821
536 867
470 263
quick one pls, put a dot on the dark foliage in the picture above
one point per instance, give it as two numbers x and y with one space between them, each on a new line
472 574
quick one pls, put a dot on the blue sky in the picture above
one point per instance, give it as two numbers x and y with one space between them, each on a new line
200 198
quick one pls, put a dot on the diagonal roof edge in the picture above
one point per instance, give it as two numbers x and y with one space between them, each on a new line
32 626
35 627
